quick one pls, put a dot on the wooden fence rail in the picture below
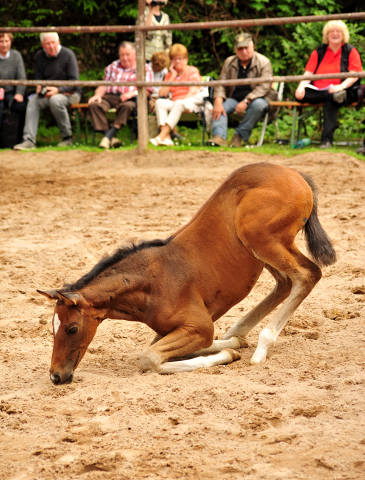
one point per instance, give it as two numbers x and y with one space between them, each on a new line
140 31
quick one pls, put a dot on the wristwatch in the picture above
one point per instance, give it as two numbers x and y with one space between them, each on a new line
247 101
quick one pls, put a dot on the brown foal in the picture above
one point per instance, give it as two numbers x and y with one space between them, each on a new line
179 287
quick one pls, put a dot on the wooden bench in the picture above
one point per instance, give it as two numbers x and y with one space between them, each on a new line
79 107
296 108
298 114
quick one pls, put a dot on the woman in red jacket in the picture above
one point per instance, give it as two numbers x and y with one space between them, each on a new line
334 56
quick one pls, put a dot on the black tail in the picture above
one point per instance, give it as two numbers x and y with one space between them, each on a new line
318 242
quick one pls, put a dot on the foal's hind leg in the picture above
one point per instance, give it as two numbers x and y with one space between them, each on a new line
304 275
276 296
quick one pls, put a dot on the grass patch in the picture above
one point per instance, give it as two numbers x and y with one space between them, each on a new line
49 136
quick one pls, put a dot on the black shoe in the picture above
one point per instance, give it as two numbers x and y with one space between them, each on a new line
176 136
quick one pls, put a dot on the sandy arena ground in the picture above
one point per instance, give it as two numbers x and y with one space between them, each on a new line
299 415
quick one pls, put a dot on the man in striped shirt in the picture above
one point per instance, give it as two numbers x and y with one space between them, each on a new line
123 99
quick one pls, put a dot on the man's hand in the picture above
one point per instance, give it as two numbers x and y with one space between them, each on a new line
94 98
218 109
127 96
18 97
241 107
51 91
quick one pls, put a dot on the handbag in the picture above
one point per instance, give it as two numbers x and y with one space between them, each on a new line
11 128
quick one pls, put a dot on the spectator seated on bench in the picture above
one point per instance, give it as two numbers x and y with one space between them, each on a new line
169 110
160 62
252 100
334 56
123 99
52 62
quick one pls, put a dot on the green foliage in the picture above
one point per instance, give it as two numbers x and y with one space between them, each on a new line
288 46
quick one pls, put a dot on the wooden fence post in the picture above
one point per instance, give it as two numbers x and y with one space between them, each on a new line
141 75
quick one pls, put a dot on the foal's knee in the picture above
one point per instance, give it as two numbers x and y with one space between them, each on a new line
150 360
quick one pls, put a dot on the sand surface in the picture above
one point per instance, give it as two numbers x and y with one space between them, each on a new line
299 415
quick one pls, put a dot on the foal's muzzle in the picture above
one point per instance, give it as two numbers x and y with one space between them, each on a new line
57 379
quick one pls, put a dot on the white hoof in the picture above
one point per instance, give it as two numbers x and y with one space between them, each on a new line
258 358
266 340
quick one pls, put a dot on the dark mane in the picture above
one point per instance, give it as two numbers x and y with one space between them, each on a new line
111 260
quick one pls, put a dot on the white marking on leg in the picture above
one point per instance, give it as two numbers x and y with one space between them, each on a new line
221 358
218 346
252 318
270 333
56 323
267 338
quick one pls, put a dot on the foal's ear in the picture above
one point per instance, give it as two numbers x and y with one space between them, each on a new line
50 294
70 298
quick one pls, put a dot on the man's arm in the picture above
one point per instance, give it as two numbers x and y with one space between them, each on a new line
221 91
261 90
72 71
38 70
99 92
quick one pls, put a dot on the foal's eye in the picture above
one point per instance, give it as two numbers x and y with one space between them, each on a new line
73 329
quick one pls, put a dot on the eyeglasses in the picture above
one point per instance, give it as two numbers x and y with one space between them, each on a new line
179 59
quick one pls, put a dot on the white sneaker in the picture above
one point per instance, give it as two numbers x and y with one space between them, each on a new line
105 143
167 142
155 141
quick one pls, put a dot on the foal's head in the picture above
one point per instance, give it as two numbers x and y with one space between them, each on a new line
74 325
77 315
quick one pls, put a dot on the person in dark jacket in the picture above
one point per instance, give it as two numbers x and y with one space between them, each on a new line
53 62
334 56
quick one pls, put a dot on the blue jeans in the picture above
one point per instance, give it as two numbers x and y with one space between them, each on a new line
254 112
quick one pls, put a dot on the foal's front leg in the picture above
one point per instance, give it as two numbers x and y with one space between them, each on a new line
219 345
182 341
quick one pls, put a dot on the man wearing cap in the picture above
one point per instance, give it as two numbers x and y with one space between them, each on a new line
252 100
